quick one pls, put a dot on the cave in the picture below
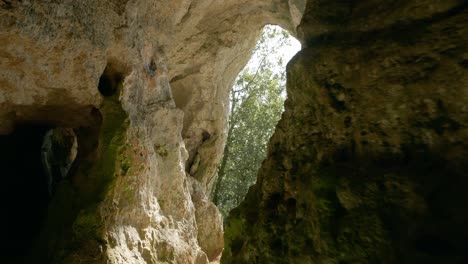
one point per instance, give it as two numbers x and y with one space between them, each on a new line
41 167
110 79
366 165
30 179
46 183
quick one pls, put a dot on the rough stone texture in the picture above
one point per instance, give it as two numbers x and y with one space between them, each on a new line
369 161
210 229
58 151
165 68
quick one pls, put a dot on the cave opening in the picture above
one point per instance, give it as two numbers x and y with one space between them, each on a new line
34 158
256 104
45 163
110 80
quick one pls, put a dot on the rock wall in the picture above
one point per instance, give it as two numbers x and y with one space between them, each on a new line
369 161
144 85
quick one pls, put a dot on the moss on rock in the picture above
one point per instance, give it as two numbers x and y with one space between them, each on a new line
373 152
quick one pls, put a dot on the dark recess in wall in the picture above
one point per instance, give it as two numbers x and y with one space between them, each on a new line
109 80
24 189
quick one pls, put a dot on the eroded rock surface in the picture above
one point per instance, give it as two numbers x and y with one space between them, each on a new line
367 165
144 85
369 161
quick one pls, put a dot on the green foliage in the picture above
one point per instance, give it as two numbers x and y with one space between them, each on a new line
256 104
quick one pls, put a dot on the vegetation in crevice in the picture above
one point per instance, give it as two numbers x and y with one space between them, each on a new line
256 104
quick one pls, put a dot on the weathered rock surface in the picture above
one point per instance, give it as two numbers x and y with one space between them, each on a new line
368 164
144 85
369 161
58 151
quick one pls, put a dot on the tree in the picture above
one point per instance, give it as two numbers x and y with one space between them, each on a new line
256 104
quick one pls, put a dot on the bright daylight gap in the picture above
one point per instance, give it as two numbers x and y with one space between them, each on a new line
256 104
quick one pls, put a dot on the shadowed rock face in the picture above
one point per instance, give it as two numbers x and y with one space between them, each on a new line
144 86
369 161
25 189
58 151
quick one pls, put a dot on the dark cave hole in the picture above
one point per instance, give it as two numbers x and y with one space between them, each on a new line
28 183
434 245
105 86
109 81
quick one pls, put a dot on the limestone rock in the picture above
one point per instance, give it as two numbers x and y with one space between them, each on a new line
142 83
209 223
58 151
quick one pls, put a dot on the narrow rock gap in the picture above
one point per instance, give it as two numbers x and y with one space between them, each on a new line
256 104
